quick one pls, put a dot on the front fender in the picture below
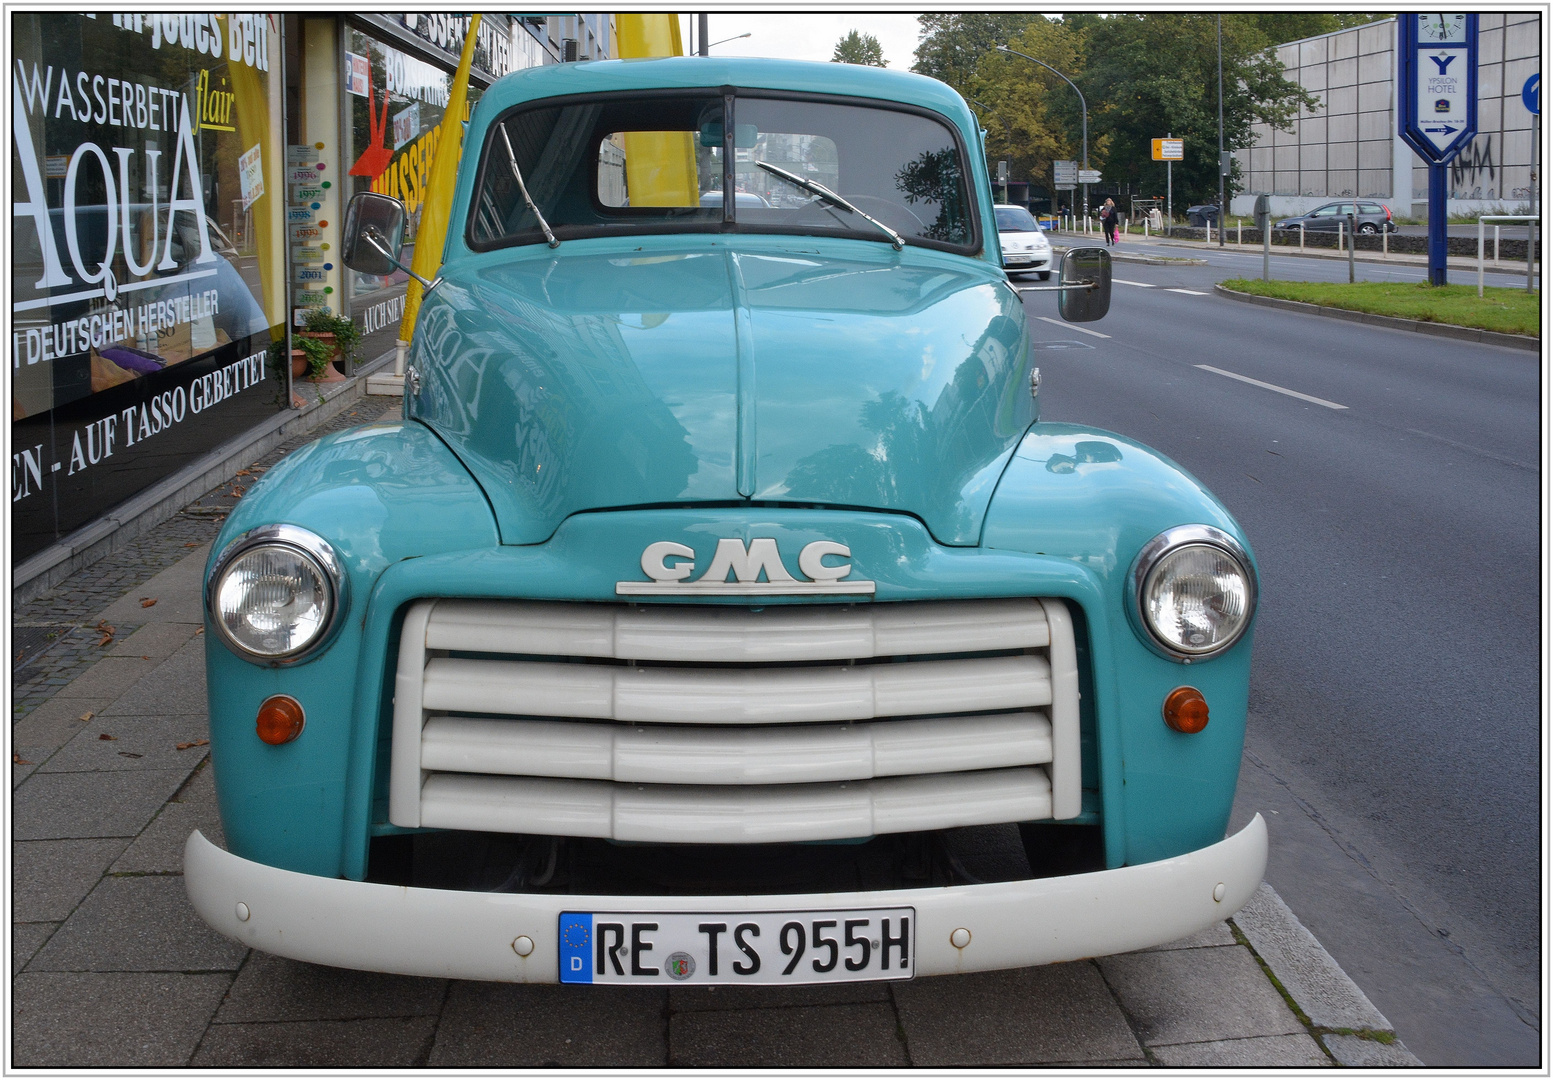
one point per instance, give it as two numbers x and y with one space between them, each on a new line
379 494
1096 498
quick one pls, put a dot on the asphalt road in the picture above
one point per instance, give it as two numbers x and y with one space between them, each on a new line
1394 735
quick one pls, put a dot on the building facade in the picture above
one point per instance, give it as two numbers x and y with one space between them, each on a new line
1349 146
178 185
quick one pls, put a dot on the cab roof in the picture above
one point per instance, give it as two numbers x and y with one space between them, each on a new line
676 72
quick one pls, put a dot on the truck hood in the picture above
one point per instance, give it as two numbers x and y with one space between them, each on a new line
726 370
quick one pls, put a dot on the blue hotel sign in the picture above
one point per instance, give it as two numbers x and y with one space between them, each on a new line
1437 115
1439 90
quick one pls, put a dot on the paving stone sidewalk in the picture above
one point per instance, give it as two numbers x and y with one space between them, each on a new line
113 968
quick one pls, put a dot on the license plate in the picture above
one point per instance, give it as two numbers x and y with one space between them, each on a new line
786 947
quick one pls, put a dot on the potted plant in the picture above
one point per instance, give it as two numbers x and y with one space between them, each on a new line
327 337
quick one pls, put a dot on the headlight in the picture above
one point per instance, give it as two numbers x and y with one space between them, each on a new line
1194 592
276 594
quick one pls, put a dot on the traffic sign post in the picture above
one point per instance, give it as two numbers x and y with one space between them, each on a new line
1438 92
1169 150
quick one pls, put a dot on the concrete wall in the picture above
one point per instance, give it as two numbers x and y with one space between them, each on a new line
1348 145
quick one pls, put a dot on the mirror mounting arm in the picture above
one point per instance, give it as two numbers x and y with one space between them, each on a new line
370 236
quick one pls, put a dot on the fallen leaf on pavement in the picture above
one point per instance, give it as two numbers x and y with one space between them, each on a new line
85 716
126 753
19 760
200 631
191 543
196 742
244 472
238 491
145 658
105 737
147 601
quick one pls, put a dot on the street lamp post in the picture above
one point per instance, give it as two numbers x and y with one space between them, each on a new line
1083 108
726 40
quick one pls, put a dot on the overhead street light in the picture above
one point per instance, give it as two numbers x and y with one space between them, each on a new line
725 40
1083 107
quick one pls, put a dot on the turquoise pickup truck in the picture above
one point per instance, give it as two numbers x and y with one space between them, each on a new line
720 610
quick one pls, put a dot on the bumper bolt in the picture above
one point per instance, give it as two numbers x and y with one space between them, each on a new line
523 945
1218 893
960 938
242 912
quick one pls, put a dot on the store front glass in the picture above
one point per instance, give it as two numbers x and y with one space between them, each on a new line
147 267
396 104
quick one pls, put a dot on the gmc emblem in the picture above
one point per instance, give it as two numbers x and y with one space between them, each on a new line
669 565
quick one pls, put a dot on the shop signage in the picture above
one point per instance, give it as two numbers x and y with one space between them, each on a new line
250 175
302 233
305 174
132 312
493 49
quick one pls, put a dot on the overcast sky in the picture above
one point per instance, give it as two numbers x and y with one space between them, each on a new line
808 35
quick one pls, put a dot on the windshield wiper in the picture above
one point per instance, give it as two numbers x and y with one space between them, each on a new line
831 197
522 187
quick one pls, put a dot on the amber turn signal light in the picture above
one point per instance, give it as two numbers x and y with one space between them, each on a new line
1186 710
281 719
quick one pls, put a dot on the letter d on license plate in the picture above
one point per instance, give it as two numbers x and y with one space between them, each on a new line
788 947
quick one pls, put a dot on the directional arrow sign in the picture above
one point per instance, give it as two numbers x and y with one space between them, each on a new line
1089 176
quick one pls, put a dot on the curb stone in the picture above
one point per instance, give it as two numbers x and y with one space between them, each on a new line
1461 333
1315 982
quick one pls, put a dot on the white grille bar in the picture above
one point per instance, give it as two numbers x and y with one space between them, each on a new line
729 756
734 635
673 814
670 695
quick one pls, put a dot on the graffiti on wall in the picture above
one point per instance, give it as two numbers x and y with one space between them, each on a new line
1473 175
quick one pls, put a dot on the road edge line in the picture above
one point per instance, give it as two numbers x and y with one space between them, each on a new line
1449 330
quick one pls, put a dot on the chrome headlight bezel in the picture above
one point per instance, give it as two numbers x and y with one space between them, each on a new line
310 546
1150 556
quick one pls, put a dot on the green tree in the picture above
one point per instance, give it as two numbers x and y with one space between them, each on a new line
1031 116
858 48
1281 27
1146 75
952 44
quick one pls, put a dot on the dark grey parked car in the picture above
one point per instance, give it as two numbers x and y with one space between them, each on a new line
1374 217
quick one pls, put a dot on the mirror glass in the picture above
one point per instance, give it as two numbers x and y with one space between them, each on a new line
381 218
1080 266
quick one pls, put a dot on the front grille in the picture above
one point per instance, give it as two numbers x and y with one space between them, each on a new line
702 725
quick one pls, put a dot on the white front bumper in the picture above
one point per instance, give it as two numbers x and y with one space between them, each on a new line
467 935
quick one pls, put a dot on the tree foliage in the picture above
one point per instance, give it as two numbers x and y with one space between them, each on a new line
951 45
1147 75
858 48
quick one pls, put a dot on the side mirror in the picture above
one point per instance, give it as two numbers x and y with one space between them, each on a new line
373 234
1089 266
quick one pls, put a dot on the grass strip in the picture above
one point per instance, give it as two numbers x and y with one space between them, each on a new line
1505 311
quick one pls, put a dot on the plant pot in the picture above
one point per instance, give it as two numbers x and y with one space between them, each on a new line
298 363
331 372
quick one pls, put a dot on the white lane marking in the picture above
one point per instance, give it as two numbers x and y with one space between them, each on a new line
1188 292
1070 326
1139 284
1270 386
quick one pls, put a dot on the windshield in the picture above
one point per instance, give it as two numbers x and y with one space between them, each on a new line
613 165
1015 219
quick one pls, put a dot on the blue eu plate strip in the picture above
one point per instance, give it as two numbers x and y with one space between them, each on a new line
576 938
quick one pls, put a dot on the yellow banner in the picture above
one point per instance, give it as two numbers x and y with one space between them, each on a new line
437 206
660 165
